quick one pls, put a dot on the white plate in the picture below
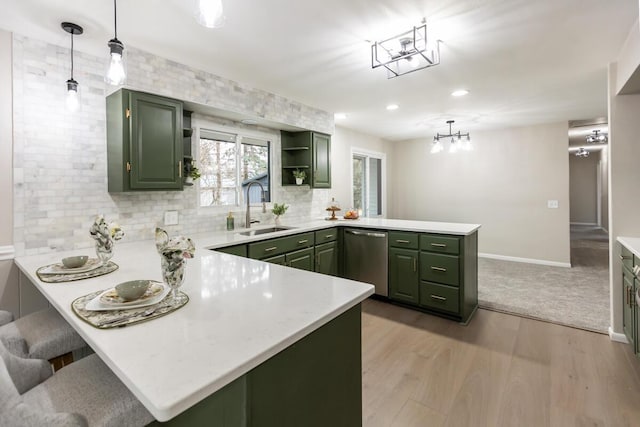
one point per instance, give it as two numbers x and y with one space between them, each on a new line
59 268
96 304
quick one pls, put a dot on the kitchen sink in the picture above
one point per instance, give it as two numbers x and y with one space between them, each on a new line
260 231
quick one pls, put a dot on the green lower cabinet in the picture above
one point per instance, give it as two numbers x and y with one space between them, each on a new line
279 259
628 294
302 259
440 297
239 250
327 258
403 275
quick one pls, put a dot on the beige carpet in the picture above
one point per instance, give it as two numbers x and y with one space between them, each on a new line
577 296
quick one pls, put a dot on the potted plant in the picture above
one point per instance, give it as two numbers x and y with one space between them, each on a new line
299 176
193 174
278 210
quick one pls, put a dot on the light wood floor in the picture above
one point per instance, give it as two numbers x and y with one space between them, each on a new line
500 370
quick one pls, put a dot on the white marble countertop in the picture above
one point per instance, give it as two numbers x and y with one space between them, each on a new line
241 312
631 243
229 238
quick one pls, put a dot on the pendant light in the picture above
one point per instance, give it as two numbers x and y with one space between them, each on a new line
116 66
72 100
210 13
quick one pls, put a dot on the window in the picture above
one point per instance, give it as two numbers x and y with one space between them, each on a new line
228 162
367 171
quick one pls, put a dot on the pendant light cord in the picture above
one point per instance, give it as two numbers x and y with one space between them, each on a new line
71 55
115 19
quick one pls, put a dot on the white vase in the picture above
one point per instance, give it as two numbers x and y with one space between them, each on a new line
277 220
298 181
188 180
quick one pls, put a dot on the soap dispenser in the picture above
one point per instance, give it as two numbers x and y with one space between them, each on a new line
230 225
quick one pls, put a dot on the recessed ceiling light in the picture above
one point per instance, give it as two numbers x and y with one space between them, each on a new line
339 116
392 107
460 92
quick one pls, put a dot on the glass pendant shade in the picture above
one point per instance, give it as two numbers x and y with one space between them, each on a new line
72 99
210 13
116 73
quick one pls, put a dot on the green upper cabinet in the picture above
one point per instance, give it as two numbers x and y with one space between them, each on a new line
309 152
321 166
144 142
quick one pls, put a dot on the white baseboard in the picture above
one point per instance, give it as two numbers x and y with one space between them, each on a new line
525 260
7 253
614 336
592 224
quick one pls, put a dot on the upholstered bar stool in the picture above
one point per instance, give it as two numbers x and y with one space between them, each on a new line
40 335
85 393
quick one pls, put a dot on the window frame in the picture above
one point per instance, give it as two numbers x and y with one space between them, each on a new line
369 154
209 126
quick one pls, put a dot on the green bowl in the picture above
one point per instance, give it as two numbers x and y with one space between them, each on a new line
133 289
75 261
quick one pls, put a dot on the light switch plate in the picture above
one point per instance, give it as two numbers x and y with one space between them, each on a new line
552 204
171 218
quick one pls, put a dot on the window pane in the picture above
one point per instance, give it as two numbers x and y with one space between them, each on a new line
255 167
358 183
218 169
374 207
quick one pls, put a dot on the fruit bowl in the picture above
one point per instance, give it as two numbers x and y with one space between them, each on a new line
351 214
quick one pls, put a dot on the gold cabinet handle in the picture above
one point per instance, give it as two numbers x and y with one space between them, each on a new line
273 248
438 269
415 265
128 167
300 242
439 245
328 236
402 241
438 297
180 169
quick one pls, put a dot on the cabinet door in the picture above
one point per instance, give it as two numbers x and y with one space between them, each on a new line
279 259
327 258
403 275
239 250
302 259
628 321
321 161
156 143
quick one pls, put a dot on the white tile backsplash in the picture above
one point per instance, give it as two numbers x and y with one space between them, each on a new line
60 170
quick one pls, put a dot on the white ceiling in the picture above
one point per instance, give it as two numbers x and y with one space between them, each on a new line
523 61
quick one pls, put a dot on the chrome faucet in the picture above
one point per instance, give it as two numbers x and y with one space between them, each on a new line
262 197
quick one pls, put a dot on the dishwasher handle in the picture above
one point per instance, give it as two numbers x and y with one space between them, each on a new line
366 233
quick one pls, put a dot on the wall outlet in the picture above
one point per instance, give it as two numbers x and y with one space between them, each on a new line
552 204
171 218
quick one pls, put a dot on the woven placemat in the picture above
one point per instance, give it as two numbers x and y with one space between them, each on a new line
70 277
118 318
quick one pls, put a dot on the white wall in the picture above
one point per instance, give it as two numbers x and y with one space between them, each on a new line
9 294
604 188
504 184
583 188
342 142
624 181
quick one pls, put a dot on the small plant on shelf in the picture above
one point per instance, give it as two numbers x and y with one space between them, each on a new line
192 173
299 176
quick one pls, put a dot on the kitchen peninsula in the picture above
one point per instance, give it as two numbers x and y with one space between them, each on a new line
256 341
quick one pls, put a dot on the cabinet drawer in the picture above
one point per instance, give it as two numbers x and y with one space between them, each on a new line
440 268
627 257
328 235
440 297
403 240
437 243
240 250
273 247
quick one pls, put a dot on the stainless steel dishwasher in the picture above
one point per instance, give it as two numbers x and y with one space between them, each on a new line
365 258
